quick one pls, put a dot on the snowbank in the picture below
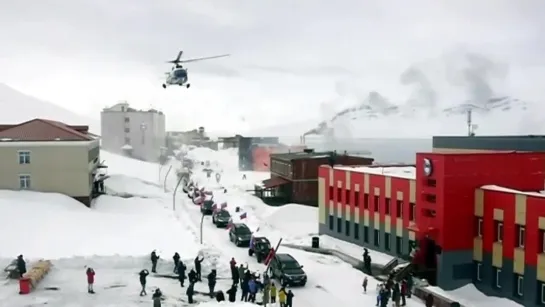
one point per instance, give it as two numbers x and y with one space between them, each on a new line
48 225
293 219
469 296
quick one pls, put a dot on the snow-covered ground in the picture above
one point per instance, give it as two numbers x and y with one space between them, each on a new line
117 234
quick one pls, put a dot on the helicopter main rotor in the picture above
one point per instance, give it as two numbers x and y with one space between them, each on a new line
178 61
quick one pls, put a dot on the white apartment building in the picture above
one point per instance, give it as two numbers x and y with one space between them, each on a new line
138 133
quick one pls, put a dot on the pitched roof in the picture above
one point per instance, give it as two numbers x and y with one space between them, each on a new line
44 130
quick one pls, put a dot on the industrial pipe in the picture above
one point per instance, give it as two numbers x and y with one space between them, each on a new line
174 193
165 181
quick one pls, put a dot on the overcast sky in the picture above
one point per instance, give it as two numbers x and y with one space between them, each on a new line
289 57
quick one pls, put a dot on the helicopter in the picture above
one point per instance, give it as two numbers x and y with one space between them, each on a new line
178 74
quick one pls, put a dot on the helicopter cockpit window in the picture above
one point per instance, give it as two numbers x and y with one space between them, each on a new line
180 73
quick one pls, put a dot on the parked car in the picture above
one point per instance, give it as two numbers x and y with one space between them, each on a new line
240 234
287 270
207 207
221 218
261 247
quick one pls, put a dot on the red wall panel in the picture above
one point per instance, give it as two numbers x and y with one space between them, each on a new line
261 157
535 208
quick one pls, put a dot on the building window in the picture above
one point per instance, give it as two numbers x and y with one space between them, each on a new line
331 222
24 157
375 203
399 245
127 119
387 241
347 228
339 225
331 191
431 198
347 194
339 195
356 231
520 235
388 205
24 182
127 129
366 234
519 285
499 232
479 227
399 208
357 199
376 237
541 244
366 201
431 183
412 212
478 271
497 278
127 141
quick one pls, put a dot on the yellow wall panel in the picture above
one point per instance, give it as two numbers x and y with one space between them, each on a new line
498 215
388 186
541 267
399 227
479 202
357 188
331 207
412 191
321 201
366 183
541 223
518 261
347 212
339 184
347 180
339 210
376 191
357 215
387 224
478 249
376 220
520 209
497 254
331 177
366 217
412 235
399 195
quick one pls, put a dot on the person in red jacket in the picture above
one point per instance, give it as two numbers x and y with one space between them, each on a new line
404 290
90 280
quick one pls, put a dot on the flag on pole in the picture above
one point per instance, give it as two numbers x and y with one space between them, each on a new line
243 216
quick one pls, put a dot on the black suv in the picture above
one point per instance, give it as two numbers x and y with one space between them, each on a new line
221 218
240 234
287 270
207 207
261 247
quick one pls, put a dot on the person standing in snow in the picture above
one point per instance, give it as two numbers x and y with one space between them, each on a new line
364 285
21 265
176 259
212 282
396 295
154 258
190 292
220 297
181 273
143 274
252 288
266 294
192 276
289 299
235 276
282 296
156 297
403 293
232 293
379 290
241 271
273 293
409 285
198 262
244 286
429 300
90 280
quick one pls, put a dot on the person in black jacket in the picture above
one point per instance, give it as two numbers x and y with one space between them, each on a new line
21 265
220 297
198 267
181 273
289 299
192 276
244 286
176 259
154 257
143 274
212 282
235 275
190 291
232 293
156 297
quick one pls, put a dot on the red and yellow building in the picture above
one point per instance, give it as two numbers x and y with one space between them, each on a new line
479 215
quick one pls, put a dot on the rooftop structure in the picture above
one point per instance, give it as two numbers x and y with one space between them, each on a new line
405 171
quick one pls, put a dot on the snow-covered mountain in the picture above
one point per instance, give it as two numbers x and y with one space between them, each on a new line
18 107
